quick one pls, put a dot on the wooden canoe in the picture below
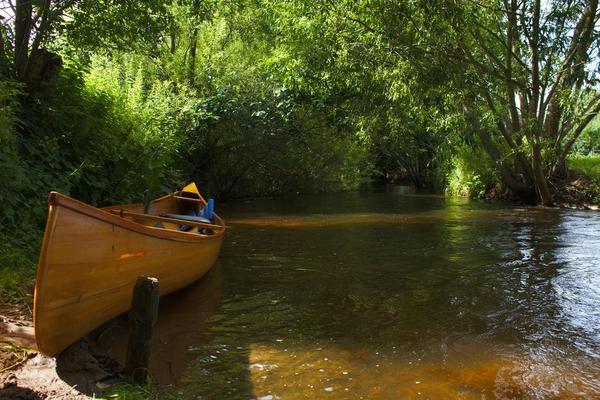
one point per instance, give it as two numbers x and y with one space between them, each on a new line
91 257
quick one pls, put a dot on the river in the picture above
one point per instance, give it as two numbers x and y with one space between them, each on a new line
389 295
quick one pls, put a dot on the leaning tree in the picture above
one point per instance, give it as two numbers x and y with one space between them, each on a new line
532 73
525 72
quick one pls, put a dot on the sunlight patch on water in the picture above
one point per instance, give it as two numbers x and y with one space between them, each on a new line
332 371
578 289
324 220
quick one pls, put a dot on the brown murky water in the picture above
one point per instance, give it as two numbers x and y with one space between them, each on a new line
389 296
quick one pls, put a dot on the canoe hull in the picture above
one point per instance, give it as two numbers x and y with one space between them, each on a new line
90 261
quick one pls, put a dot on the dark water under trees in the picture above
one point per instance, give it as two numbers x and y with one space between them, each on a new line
389 295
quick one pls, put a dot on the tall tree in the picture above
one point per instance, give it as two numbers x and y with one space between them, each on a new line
526 70
532 67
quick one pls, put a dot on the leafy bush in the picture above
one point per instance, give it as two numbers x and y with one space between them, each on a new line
256 141
13 176
471 173
589 141
18 256
18 237
84 142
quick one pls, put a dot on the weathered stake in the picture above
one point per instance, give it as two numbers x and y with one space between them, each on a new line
142 317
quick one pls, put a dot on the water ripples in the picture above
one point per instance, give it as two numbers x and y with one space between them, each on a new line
385 296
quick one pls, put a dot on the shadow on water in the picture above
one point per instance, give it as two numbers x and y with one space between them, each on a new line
179 337
181 324
432 298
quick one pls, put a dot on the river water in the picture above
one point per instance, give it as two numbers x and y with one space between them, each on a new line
389 295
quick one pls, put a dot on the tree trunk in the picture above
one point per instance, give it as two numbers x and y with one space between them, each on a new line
23 25
192 62
3 64
193 41
525 193
541 182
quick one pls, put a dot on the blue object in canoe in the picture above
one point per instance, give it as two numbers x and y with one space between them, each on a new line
208 210
190 218
205 215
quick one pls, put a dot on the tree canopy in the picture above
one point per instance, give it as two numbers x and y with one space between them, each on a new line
121 99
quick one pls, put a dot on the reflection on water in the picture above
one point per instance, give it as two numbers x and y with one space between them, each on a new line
178 333
389 295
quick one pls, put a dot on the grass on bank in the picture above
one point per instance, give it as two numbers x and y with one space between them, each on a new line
588 165
131 391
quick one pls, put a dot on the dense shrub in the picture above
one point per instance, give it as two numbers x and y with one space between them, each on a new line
260 141
13 176
471 173
86 143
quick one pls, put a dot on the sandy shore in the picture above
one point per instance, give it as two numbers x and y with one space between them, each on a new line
80 372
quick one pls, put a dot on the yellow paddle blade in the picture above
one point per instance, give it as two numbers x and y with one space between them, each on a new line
192 188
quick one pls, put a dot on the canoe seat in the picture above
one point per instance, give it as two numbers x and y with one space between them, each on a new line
190 218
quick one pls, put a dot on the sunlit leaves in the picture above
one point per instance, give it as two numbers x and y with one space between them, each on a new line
111 24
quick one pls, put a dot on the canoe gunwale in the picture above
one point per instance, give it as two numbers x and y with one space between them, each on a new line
39 292
60 200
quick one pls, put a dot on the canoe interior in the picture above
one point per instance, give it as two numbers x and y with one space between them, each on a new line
90 260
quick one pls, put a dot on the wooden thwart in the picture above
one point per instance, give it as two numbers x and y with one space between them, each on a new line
166 219
142 317
201 201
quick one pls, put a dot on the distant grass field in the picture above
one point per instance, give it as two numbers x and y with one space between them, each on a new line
588 165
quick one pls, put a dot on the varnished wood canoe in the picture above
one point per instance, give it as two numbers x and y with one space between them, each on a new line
91 257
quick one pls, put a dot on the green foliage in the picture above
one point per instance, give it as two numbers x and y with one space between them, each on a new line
589 140
255 98
264 142
233 127
18 255
471 173
17 237
587 165
13 175
85 143
126 25
9 91
339 53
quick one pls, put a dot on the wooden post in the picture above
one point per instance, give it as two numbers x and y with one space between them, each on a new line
142 317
